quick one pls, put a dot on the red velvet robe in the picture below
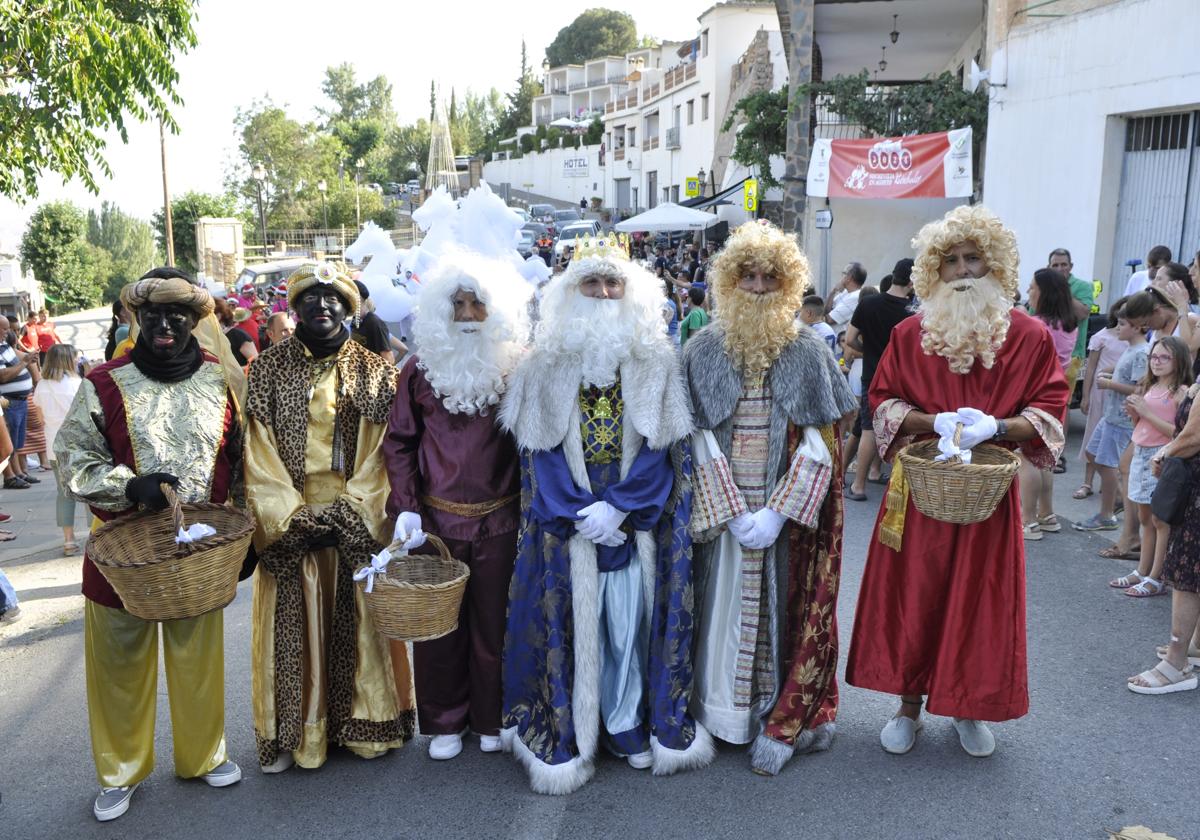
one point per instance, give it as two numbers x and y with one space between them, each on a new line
945 616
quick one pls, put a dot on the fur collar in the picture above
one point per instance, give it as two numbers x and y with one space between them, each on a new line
806 383
544 390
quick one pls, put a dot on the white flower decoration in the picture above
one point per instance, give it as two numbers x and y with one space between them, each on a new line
325 273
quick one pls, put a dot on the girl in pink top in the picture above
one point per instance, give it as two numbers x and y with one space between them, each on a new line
1050 302
1153 412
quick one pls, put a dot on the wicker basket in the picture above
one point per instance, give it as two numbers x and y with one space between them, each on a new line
418 597
951 491
159 579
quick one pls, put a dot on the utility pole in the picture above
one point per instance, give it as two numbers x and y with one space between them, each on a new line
169 228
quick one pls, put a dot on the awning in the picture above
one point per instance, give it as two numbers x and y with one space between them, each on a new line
701 202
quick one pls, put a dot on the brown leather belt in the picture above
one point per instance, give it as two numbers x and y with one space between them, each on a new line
471 511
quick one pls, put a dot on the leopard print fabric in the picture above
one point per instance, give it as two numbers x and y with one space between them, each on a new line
278 398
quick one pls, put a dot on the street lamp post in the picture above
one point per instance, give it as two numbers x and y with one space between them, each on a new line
321 187
358 167
259 174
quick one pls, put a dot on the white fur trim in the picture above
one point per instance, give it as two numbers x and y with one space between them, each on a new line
769 756
552 779
585 604
699 753
507 736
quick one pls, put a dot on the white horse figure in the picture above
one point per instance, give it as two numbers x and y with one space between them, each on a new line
392 303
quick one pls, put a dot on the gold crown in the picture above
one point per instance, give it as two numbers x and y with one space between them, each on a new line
606 246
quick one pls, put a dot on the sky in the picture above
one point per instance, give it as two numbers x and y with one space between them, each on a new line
249 49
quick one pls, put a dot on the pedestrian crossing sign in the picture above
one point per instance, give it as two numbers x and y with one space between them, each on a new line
750 195
692 187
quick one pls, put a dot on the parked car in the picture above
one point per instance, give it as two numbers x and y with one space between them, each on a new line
570 233
536 228
264 276
562 218
525 246
542 212
522 213
414 187
373 187
392 188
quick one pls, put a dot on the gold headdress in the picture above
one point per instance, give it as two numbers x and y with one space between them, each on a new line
606 246
326 273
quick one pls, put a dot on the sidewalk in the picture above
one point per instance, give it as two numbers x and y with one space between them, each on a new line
47 583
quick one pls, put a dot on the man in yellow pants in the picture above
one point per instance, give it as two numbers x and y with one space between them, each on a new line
161 414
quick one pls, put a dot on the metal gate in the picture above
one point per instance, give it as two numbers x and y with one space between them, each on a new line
1160 192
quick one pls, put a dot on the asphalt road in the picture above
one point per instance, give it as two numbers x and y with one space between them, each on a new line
1090 755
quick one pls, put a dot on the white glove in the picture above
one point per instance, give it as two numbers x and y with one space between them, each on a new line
408 531
741 526
977 427
765 525
601 524
945 423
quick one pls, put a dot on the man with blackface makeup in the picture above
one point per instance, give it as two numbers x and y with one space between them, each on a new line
163 414
317 409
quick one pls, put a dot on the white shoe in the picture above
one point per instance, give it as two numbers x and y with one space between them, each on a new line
282 762
444 747
975 737
112 802
489 743
641 761
899 734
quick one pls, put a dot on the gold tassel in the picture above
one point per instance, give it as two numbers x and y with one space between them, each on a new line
891 530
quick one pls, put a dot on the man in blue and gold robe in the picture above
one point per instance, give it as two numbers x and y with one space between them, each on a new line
599 637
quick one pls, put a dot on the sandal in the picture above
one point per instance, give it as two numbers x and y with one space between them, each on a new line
7 536
1082 491
1130 580
1144 587
1193 655
1114 552
1060 466
70 549
1163 678
1049 523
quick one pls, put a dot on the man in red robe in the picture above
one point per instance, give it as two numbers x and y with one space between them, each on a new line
941 612
455 473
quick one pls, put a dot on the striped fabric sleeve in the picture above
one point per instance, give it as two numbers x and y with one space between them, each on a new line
802 490
716 498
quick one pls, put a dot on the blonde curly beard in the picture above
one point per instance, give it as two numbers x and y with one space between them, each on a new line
758 327
962 326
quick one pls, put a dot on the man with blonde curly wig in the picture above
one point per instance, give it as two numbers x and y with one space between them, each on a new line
941 613
454 472
766 395
599 641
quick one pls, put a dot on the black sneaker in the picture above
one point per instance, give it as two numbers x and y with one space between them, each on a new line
16 483
28 479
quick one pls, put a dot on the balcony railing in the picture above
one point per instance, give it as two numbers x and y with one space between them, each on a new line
577 86
619 154
650 143
649 93
630 101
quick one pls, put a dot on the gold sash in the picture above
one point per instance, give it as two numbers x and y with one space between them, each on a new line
471 511
891 530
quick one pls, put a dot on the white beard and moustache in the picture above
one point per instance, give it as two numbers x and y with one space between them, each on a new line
966 320
600 332
466 363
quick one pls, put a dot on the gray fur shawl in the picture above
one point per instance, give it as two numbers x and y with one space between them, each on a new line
543 394
806 383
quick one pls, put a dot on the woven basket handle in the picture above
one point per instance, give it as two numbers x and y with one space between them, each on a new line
432 539
958 430
173 500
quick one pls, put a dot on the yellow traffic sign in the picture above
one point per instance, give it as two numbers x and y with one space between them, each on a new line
691 187
750 195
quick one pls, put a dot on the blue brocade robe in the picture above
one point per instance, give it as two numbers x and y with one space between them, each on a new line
599 639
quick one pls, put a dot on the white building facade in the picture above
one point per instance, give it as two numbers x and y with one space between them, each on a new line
1094 133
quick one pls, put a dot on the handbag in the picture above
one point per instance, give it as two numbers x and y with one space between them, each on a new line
1173 492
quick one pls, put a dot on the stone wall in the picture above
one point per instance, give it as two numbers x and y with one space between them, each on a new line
752 74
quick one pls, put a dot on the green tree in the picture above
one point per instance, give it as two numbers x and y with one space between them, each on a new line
595 33
595 133
764 133
78 281
127 240
51 231
186 209
69 71
354 101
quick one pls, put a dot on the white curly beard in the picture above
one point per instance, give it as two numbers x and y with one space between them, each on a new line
467 363
966 320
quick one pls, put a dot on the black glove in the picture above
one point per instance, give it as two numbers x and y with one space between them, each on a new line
327 540
144 489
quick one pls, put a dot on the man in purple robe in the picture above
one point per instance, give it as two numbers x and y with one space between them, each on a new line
455 473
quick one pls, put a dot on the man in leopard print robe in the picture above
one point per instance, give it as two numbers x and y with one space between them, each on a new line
315 480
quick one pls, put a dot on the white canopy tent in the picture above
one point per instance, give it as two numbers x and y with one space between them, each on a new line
563 122
667 217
